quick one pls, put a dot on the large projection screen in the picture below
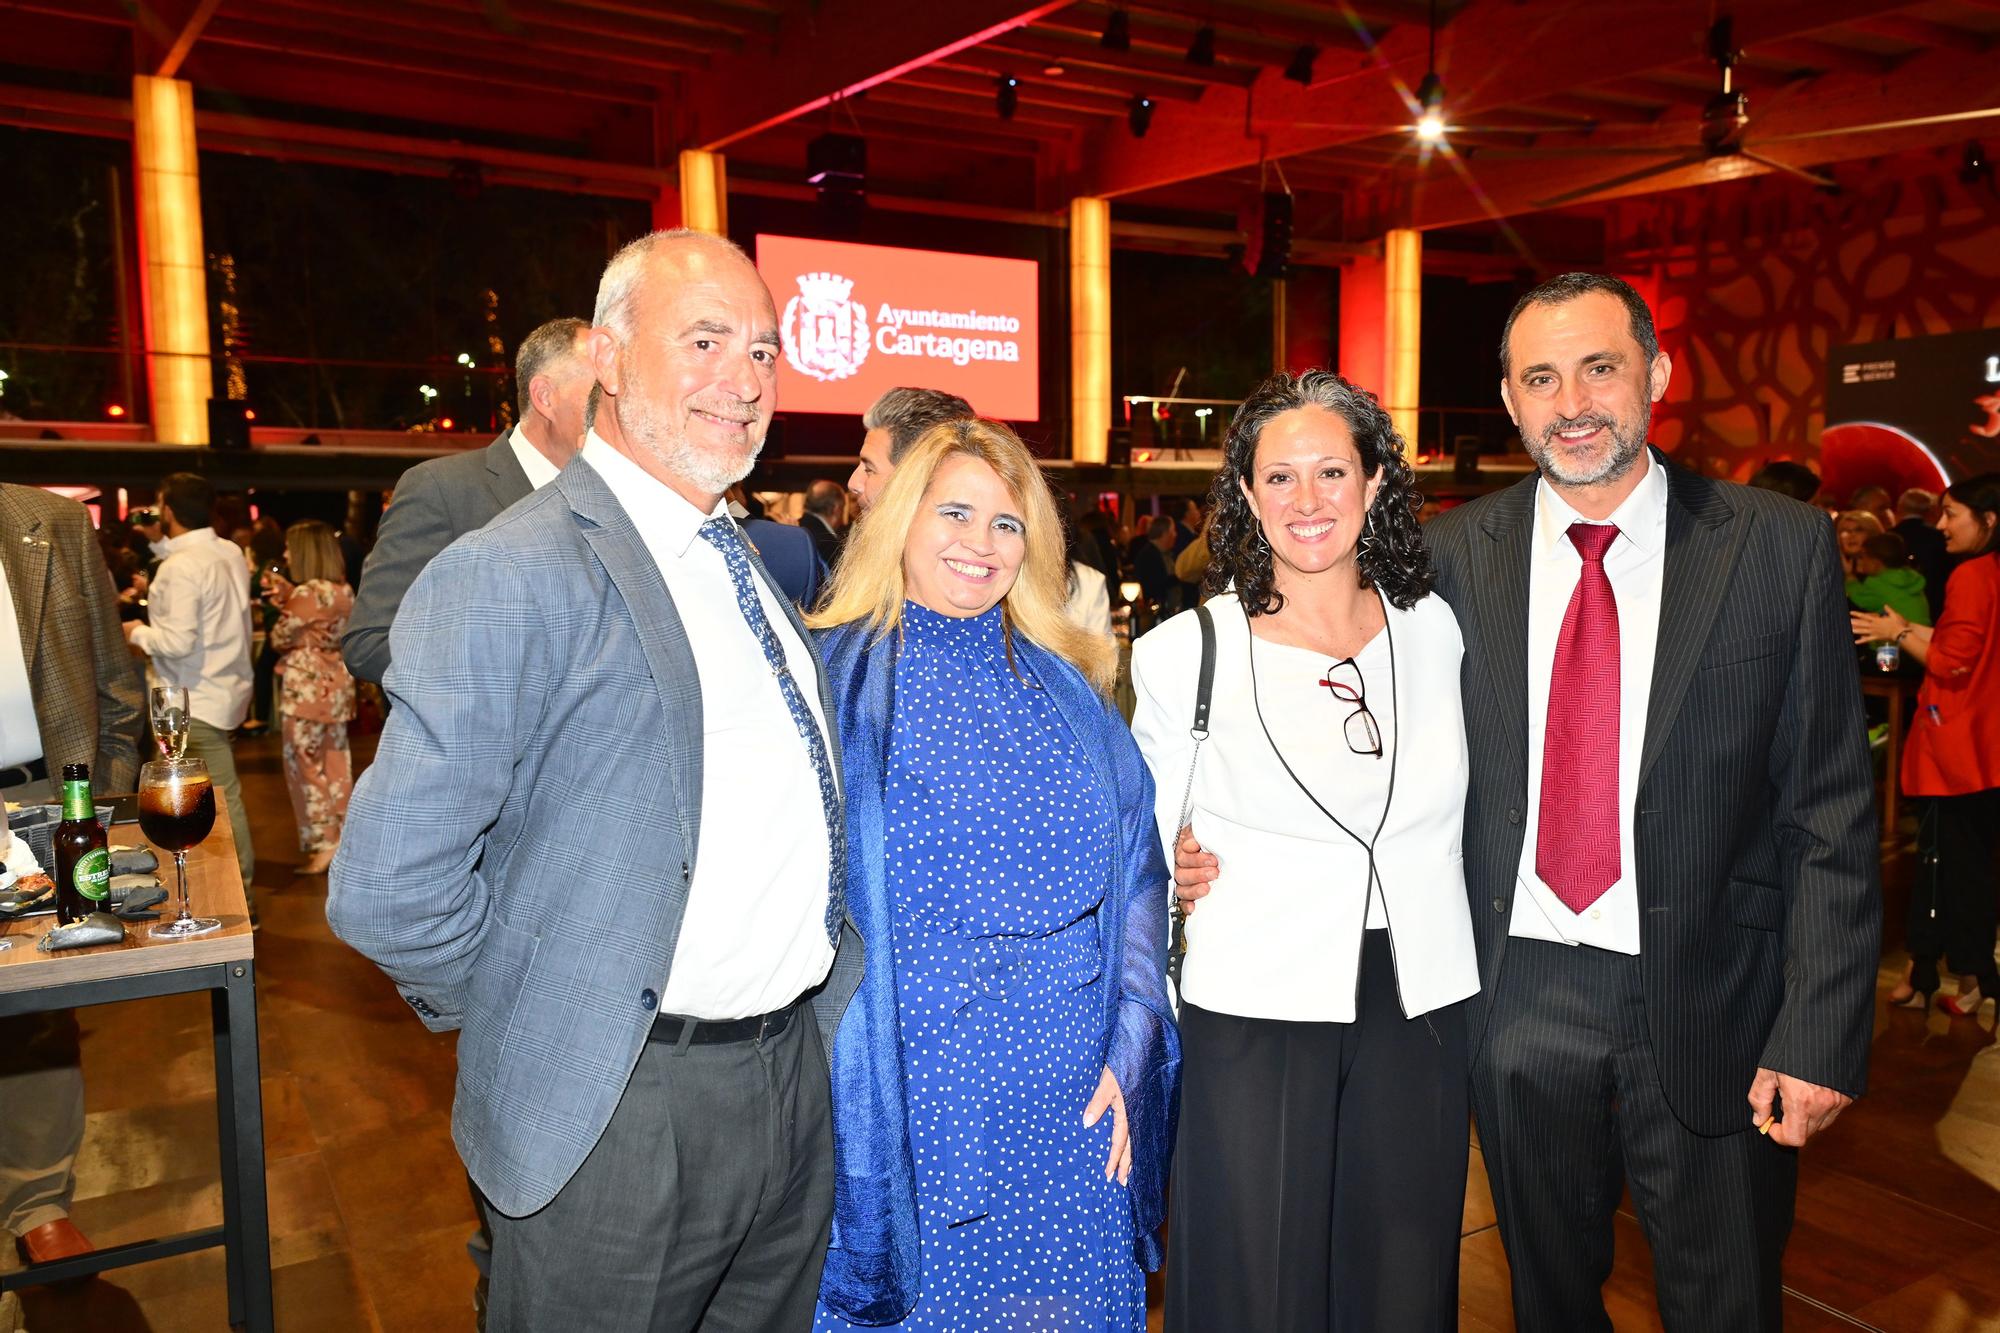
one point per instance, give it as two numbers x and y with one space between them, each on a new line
859 319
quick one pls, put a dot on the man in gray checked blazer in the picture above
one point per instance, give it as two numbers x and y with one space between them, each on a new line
602 839
85 705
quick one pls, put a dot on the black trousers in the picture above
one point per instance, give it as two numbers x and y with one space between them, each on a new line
1953 904
1569 1104
705 1205
1319 1178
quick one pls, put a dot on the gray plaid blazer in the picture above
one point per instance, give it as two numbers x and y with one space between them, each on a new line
90 700
517 858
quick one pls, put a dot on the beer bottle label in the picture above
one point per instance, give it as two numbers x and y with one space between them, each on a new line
92 875
76 801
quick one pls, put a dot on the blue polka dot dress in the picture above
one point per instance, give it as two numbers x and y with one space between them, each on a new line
999 845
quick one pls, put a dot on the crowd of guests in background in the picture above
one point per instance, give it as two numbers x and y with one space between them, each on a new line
801 898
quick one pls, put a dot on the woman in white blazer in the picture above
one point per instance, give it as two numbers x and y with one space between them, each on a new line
1321 1165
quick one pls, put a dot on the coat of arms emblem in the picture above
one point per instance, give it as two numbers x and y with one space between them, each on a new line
825 334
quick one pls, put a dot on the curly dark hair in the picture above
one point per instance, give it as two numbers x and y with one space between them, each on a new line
1395 563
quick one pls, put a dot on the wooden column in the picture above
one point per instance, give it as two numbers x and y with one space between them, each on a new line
1402 328
1089 329
704 191
173 271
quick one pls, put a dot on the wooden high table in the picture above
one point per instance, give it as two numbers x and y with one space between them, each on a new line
1898 691
221 963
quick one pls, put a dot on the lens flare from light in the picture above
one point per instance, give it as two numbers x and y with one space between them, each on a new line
1430 127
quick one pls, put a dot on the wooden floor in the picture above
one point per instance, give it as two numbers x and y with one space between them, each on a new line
1898 1217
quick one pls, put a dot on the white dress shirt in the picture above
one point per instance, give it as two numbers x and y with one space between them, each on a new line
1280 934
198 630
539 469
753 937
1634 562
20 734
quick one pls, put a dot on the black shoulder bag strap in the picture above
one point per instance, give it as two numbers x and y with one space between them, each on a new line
1203 690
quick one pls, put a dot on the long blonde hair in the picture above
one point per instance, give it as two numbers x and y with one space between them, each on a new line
868 584
312 551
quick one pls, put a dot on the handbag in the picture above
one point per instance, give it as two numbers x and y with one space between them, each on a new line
1204 688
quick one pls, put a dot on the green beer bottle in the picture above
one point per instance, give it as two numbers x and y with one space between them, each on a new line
83 862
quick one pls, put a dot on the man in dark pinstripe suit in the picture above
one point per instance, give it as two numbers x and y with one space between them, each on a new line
1669 836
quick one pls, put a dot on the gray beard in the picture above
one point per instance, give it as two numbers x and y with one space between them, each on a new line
646 426
1625 450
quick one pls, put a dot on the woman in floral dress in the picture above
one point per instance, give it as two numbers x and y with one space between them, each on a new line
315 693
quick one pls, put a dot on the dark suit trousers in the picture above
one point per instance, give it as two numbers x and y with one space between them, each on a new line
1568 1099
1319 1177
705 1205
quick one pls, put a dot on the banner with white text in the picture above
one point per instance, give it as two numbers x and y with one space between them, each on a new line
857 320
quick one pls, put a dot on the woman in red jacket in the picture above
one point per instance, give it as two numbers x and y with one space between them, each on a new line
1953 756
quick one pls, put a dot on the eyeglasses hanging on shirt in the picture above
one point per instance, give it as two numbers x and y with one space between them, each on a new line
1345 681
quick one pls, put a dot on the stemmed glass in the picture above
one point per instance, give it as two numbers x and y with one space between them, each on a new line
176 811
170 719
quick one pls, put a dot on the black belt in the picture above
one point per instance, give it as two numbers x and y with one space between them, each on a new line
17 775
707 1031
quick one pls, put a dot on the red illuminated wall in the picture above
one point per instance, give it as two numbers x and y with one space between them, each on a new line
1753 285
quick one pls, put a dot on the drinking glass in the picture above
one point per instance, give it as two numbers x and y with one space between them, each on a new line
170 719
176 811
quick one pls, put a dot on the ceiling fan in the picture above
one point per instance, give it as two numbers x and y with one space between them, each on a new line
1725 119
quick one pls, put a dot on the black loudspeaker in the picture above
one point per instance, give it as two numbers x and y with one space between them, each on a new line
228 424
1118 446
1266 221
1464 457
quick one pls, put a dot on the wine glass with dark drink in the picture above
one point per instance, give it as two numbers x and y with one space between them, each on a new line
176 811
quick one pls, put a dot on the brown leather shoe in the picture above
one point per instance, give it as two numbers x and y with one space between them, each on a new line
54 1240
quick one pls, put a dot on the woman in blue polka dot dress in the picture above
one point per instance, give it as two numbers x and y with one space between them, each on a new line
1004 1082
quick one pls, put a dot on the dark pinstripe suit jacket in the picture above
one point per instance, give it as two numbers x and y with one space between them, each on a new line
89 695
1759 886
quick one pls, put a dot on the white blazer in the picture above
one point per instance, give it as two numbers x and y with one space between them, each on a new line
1279 936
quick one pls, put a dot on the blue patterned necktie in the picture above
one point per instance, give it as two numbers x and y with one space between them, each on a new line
726 537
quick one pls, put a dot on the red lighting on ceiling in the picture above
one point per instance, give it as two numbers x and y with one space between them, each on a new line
115 410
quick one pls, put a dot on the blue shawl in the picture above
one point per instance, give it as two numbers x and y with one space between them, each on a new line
872 1267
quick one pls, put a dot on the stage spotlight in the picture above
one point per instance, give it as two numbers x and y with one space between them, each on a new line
1006 95
1201 51
1301 68
1430 108
1140 115
1117 32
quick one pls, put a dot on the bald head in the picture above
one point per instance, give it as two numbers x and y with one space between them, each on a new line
685 351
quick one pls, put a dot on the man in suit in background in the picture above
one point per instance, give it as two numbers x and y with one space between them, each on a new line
69 694
442 499
825 519
893 423
1669 840
602 837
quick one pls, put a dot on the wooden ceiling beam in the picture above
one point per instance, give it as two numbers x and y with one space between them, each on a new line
736 21
1597 110
1825 56
987 62
835 50
1170 34
903 93
269 41
1034 90
1494 54
1923 33
462 43
538 24
1082 52
1322 25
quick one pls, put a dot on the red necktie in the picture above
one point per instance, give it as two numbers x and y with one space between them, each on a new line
1576 842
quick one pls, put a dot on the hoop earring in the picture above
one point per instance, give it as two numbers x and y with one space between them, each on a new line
1368 544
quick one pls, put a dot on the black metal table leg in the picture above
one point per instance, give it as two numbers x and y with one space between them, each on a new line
239 1101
